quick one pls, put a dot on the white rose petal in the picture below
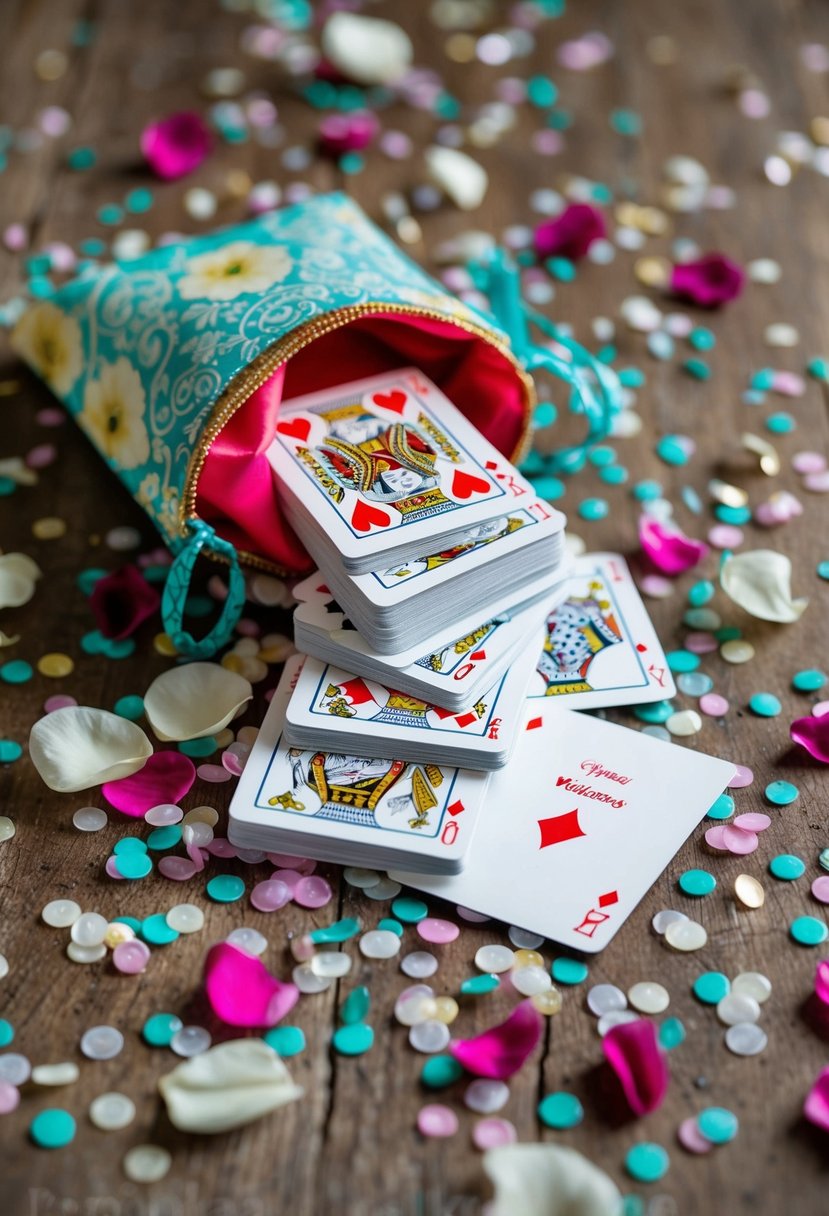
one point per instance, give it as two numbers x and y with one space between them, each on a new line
547 1180
194 701
760 582
367 50
461 177
79 747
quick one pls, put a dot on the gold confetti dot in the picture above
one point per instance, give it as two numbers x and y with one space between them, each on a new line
748 891
163 644
548 1003
49 528
819 130
55 665
446 1009
652 272
50 65
528 958
729 496
460 48
9 387
662 50
233 662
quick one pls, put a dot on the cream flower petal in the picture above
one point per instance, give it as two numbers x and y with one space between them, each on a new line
79 747
547 1180
5 640
18 574
227 1086
195 700
760 582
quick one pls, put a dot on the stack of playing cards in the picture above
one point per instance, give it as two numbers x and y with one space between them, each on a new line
330 805
414 519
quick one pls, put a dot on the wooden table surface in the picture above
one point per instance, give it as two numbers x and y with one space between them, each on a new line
350 1145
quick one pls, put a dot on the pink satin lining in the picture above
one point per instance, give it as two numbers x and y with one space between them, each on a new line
237 492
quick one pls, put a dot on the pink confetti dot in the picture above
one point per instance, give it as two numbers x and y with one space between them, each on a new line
60 700
111 868
54 121
214 773
738 841
270 895
396 145
657 587
179 869
712 704
808 462
726 536
247 628
42 456
9 1097
232 762
752 821
713 837
62 256
743 777
788 384
474 918
820 709
290 863
220 846
818 483
130 958
820 889
701 643
15 237
437 1121
547 142
437 931
50 415
312 892
492 1133
691 1138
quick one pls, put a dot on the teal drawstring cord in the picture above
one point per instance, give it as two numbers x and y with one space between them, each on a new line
177 588
595 390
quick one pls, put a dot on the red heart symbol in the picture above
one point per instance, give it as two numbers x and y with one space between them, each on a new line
394 401
464 485
295 428
364 517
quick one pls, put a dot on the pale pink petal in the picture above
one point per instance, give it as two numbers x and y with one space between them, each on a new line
166 777
633 1052
241 989
813 734
670 550
501 1051
816 1106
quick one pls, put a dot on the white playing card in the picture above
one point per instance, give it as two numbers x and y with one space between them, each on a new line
595 813
467 654
387 463
336 807
599 647
334 706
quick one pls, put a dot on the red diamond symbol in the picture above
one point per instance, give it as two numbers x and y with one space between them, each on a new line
641 647
608 899
560 828
466 720
534 723
491 464
478 654
456 807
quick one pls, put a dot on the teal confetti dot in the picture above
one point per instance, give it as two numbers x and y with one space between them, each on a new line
671 1034
352 163
682 660
131 921
818 368
711 987
353 1040
732 515
81 158
392 925
701 593
646 491
647 1162
823 570
593 508
129 844
702 339
781 793
409 910
533 465
762 380
52 1128
729 633
569 971
544 415
614 475
93 642
601 455
823 859
156 932
110 214
477 985
697 883
701 618
7 486
721 808
656 713
607 354
808 931
166 837
440 1071
93 247
631 377
16 671
340 931
225 888
118 648
717 1124
560 1110
87 579
633 1205
138 201
198 748
626 122
561 269
356 1005
549 488
286 1041
780 424
129 707
133 864
787 867
6 1032
697 369
765 705
159 1028
809 680
694 683
10 750
670 450
541 92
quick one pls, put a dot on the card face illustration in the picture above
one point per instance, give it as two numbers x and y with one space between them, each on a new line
588 829
599 647
389 460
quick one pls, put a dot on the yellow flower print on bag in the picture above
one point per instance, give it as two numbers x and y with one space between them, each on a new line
50 342
113 414
236 269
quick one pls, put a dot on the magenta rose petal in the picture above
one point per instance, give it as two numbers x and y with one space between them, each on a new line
668 549
502 1050
165 778
633 1052
122 601
570 234
812 734
352 132
822 983
175 146
816 1106
242 991
709 281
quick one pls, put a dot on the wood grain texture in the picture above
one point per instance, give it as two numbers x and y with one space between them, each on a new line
350 1146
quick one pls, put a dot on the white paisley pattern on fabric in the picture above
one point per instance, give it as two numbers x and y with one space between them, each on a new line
140 351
